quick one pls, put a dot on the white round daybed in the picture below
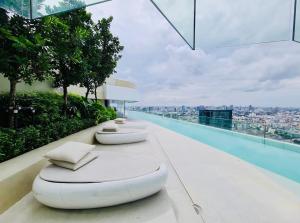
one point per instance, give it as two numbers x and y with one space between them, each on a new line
122 136
111 179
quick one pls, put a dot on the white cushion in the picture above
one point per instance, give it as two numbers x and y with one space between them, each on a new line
74 166
120 120
70 152
110 127
109 166
124 135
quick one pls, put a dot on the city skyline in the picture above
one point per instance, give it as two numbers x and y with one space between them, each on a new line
277 123
213 106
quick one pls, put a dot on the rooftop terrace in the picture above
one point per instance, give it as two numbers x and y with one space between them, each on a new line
204 185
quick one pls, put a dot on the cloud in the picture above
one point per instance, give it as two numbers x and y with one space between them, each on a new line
167 71
231 22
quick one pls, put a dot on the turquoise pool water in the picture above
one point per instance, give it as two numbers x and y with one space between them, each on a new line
278 157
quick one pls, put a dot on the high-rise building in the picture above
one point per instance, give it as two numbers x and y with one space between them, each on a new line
216 118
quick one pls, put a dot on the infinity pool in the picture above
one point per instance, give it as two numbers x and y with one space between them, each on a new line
278 157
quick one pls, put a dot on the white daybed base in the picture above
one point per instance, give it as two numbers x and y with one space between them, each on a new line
121 137
96 195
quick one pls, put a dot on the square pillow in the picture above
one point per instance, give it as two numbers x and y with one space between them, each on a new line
70 152
75 166
111 127
120 120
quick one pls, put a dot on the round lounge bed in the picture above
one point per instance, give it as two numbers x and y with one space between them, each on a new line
111 179
122 136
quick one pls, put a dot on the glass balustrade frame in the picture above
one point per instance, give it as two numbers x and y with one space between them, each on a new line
296 24
27 7
287 15
192 45
248 127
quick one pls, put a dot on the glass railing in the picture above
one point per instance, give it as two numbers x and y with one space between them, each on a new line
180 15
201 23
278 131
296 33
39 8
221 23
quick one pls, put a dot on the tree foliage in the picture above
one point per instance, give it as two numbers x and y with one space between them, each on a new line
31 132
109 54
70 48
66 34
23 54
102 53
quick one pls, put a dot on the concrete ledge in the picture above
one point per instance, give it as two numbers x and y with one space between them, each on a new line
17 174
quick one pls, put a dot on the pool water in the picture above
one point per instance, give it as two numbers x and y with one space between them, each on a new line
278 157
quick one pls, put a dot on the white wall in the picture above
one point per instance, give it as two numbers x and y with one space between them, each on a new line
121 93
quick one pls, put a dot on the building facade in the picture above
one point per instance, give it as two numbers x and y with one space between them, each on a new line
216 118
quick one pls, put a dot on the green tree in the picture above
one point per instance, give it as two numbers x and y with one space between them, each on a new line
109 52
90 55
102 53
23 55
67 33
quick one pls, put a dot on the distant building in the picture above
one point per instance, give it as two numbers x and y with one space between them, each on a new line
216 118
200 107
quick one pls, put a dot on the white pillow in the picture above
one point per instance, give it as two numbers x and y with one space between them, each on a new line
70 152
110 127
120 120
74 166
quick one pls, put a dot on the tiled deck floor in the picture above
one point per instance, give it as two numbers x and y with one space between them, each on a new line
227 190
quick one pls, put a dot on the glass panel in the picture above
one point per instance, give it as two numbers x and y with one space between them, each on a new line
242 124
297 21
42 8
21 7
180 14
49 7
222 23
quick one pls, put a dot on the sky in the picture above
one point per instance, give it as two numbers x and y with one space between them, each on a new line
167 72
